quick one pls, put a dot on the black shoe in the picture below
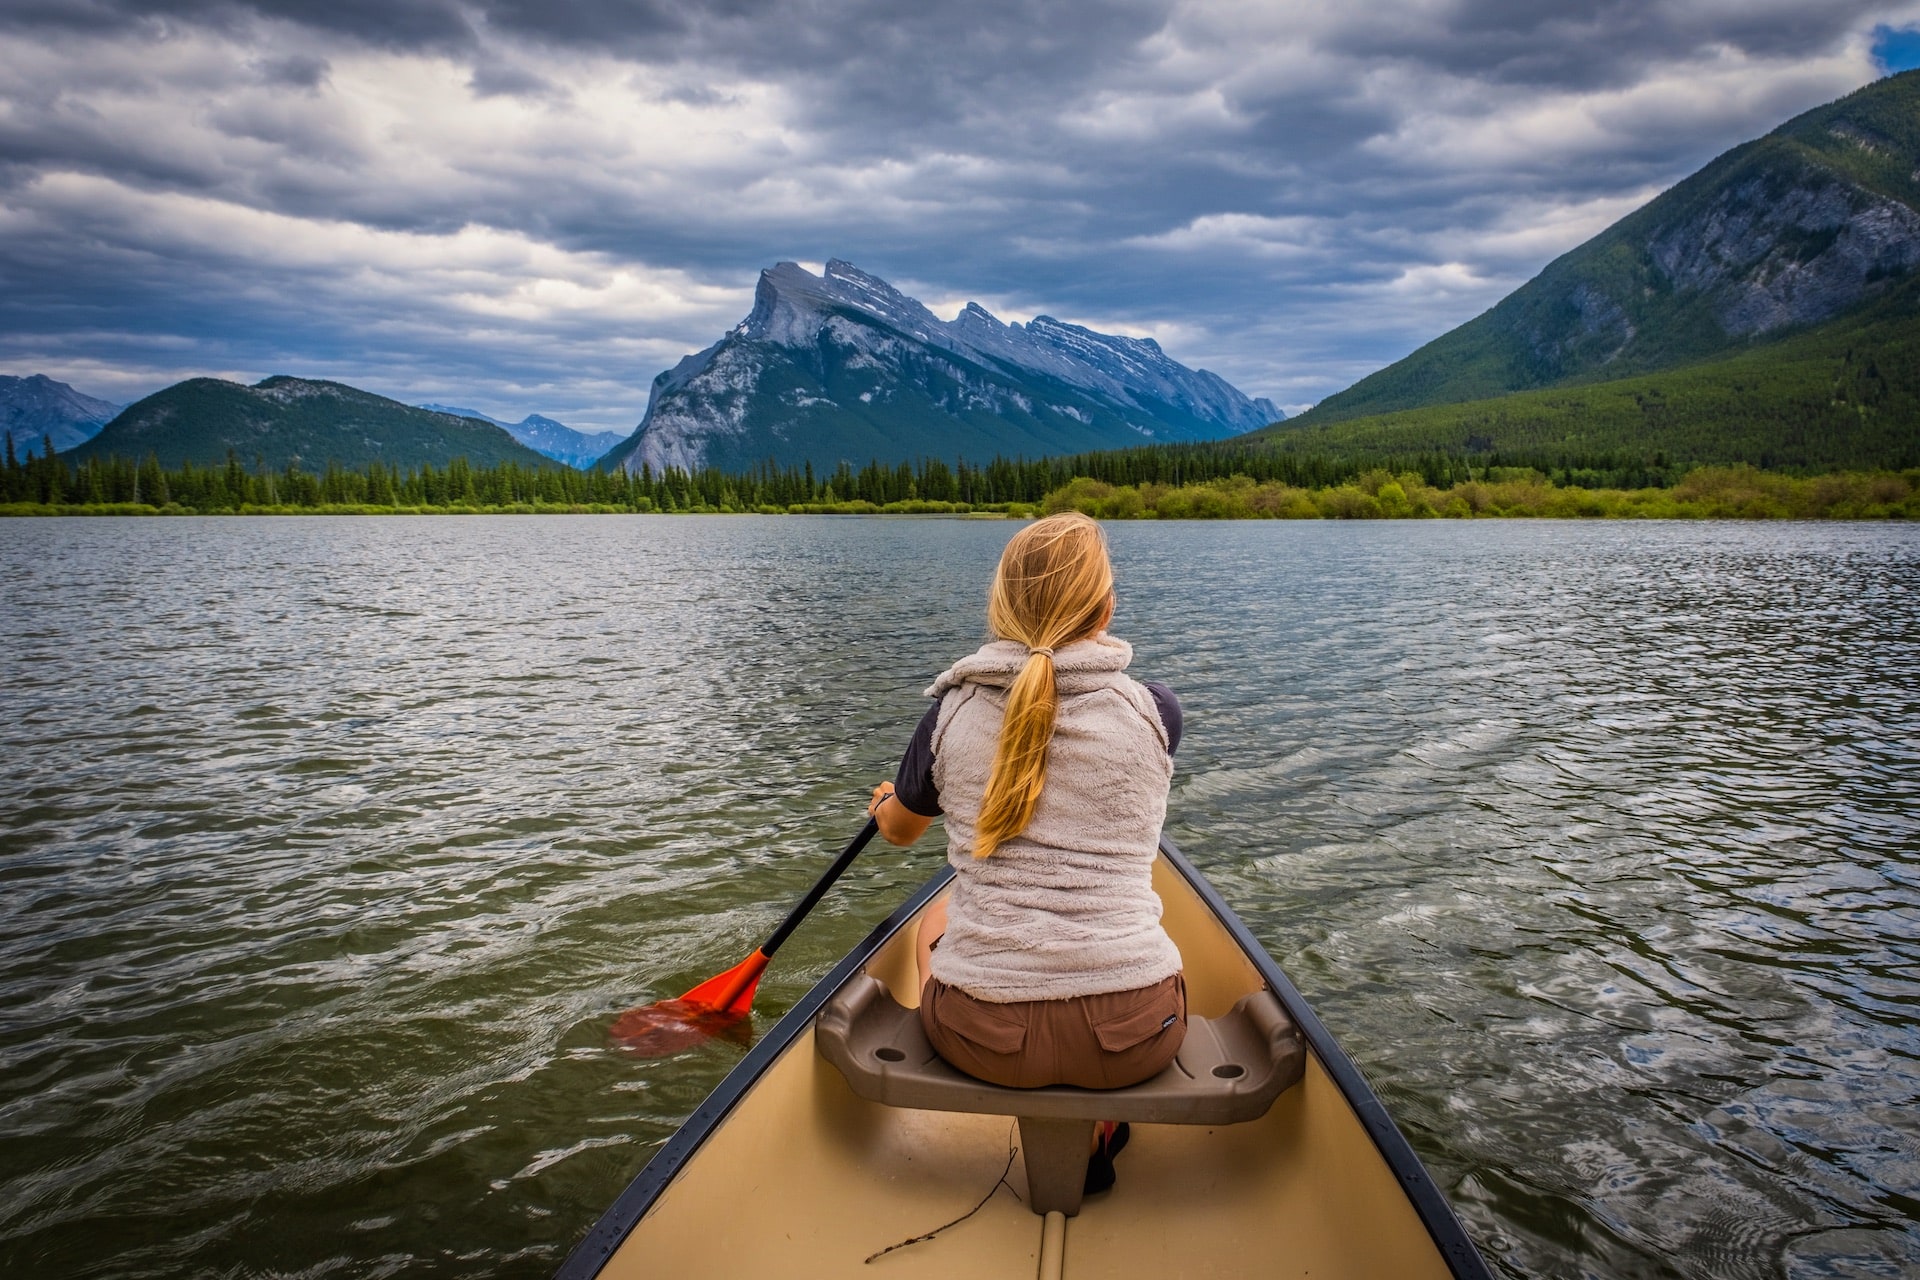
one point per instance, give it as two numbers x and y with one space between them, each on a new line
1100 1175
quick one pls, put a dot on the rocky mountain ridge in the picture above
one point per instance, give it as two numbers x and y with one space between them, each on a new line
843 366
37 408
1805 226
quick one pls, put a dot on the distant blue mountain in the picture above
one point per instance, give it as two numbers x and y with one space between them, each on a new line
543 435
36 408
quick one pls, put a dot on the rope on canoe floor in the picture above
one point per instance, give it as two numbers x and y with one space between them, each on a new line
1012 1150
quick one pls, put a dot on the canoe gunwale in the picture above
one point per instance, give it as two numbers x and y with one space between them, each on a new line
1449 1236
624 1214
1456 1247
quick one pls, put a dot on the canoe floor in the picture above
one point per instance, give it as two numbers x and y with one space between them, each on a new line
803 1179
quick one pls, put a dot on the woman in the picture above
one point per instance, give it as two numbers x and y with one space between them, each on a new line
1048 965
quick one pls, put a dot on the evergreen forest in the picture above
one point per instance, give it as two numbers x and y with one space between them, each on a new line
1245 479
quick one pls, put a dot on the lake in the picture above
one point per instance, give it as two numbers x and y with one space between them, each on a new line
330 847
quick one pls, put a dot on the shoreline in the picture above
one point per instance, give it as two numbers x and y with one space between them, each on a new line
106 513
1705 493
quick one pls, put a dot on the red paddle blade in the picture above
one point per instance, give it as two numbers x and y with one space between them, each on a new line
733 990
718 1008
668 1027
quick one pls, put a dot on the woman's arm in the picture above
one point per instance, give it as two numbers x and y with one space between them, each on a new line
899 825
905 818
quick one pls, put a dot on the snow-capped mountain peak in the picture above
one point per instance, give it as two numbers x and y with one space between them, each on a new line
844 366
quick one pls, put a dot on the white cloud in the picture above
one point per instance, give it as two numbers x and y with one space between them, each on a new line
1296 238
485 271
1524 232
1470 127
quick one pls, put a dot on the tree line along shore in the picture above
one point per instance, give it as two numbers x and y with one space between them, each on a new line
1221 481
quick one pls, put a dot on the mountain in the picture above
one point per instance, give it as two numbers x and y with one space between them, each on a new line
844 367
1845 394
557 440
1803 228
286 420
36 408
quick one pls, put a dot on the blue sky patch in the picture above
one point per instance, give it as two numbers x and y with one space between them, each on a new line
1896 50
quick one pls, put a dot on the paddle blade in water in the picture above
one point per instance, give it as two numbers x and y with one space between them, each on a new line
668 1027
718 1009
733 990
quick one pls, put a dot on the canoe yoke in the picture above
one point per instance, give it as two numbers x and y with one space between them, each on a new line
1229 1070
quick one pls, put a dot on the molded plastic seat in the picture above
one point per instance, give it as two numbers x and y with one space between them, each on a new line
1229 1070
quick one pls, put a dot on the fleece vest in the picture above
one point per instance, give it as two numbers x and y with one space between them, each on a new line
1067 907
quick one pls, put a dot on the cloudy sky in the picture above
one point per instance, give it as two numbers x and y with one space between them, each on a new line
536 205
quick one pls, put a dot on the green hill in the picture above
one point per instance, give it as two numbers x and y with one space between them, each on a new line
1843 395
283 421
1814 223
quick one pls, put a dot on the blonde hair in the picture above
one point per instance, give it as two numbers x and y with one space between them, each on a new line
1053 587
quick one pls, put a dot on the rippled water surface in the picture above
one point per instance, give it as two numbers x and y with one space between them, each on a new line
329 848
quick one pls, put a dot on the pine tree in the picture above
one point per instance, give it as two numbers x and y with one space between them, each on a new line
51 472
236 480
150 485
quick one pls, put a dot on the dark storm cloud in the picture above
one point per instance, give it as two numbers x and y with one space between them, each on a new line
630 26
495 79
396 24
300 71
1591 43
523 198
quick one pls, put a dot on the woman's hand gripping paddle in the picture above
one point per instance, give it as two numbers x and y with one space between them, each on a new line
720 1005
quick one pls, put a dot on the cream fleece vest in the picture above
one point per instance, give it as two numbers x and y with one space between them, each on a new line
1067 907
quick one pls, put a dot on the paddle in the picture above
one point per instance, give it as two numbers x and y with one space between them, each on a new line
719 1006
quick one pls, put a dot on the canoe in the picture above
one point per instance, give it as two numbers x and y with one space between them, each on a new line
787 1171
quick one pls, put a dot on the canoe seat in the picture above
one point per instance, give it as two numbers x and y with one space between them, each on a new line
1229 1070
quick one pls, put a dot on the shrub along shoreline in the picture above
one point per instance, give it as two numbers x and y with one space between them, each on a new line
1737 493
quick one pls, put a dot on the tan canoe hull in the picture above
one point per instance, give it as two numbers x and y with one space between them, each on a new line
800 1178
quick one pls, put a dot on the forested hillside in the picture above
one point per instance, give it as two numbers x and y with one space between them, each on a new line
1808 225
285 421
1846 395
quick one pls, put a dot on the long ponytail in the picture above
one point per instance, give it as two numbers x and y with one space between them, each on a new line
1053 587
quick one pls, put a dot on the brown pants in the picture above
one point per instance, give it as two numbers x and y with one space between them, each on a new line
1094 1042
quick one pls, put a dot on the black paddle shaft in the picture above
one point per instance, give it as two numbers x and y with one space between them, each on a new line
819 890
